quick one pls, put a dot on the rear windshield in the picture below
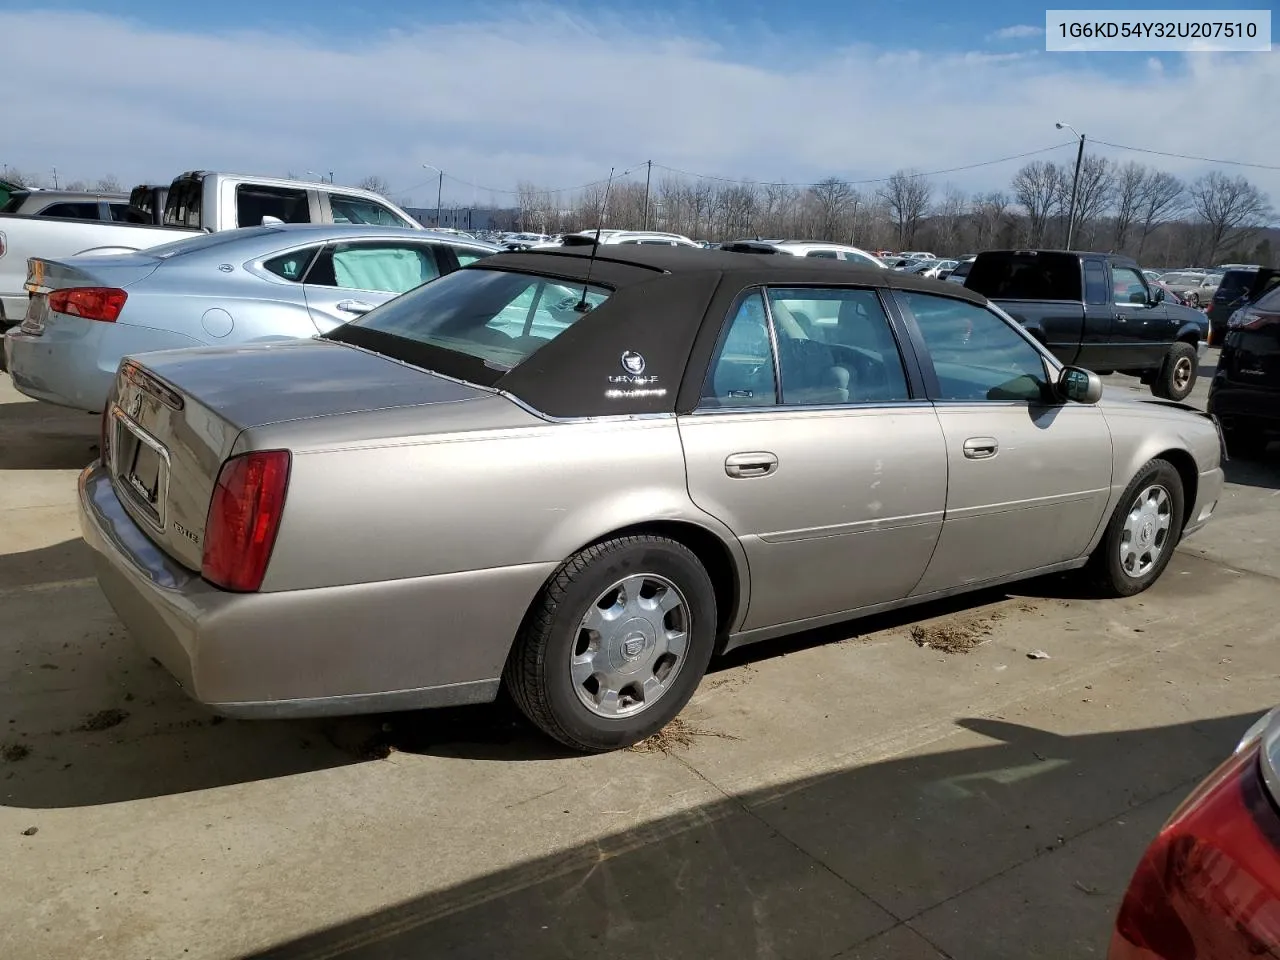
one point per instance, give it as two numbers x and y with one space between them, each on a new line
497 317
1027 276
1235 282
182 206
204 241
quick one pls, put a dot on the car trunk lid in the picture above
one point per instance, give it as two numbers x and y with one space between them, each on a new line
44 276
176 416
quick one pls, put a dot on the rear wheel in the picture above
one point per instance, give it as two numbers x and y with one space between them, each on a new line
615 644
1177 378
1142 533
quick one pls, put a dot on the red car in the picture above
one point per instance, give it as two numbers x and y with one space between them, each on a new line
1208 887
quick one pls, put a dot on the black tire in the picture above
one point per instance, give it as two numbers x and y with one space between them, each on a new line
1246 444
1105 570
537 672
1177 377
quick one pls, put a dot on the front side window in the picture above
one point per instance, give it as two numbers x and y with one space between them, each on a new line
71 211
741 373
468 255
1127 287
976 354
835 345
286 204
388 267
360 210
499 317
822 254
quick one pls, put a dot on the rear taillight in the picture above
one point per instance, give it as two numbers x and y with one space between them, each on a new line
1209 886
92 303
244 518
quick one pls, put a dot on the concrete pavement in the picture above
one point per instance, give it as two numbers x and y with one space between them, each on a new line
843 794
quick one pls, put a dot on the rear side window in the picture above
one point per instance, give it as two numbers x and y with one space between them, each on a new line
861 261
284 203
1033 276
16 199
384 267
823 254
1095 282
468 255
72 211
291 265
1270 302
742 375
360 210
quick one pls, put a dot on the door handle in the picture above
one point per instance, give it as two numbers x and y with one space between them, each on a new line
744 465
354 306
981 448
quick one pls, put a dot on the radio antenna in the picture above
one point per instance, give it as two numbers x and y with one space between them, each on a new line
581 306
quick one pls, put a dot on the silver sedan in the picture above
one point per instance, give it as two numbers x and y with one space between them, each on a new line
278 282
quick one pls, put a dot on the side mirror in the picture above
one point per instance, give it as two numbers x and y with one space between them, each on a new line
1157 295
1139 297
1079 385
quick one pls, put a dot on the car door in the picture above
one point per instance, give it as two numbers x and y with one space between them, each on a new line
350 278
1142 333
1099 349
1028 477
810 445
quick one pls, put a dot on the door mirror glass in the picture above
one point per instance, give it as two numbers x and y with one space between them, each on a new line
1157 295
1138 297
1079 385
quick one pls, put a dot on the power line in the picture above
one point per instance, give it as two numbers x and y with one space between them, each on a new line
1184 156
930 173
476 186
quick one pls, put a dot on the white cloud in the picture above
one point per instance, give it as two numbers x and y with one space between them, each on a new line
551 98
1021 31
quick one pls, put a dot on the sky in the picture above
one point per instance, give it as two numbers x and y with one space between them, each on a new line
560 93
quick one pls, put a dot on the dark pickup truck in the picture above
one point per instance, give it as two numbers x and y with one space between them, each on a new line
1096 310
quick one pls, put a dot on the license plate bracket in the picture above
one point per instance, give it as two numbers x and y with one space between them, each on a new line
37 313
142 468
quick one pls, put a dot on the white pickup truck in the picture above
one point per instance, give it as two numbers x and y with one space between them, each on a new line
197 202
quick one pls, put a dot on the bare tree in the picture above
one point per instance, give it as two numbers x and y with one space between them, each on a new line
376 184
950 217
831 199
77 185
1096 190
108 184
1131 182
907 196
1162 195
1226 205
527 197
1037 187
989 211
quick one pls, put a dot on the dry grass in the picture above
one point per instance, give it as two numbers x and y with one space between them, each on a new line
951 637
679 734
104 720
13 752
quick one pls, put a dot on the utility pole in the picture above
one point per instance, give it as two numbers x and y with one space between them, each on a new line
55 178
331 176
648 172
1075 187
439 191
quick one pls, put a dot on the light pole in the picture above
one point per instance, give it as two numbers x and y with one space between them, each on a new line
1075 181
318 176
439 187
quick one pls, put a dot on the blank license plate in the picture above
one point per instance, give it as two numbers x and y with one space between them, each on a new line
37 312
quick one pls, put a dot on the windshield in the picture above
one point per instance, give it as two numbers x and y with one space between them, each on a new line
496 316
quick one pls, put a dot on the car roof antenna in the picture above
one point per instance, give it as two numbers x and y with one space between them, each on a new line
582 306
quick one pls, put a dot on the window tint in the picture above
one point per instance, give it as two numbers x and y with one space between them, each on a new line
1270 301
359 210
835 346
1095 282
468 255
741 373
1039 276
497 316
72 211
291 265
284 203
1127 286
388 267
182 206
976 354
823 254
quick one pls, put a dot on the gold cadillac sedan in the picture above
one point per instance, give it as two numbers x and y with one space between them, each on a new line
581 472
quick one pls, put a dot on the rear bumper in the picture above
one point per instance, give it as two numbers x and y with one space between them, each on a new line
398 645
1240 406
73 362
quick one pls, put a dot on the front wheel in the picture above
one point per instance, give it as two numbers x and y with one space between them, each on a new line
1142 533
1177 377
615 644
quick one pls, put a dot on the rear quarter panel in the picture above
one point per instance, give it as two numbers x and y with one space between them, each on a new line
497 487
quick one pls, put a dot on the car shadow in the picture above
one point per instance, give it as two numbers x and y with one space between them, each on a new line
39 436
1038 830
68 560
1263 471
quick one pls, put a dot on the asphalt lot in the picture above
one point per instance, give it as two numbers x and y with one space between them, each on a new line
846 794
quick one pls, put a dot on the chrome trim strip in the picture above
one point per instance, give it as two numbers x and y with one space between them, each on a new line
162 487
849 529
777 408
